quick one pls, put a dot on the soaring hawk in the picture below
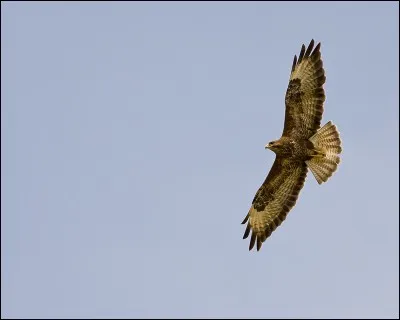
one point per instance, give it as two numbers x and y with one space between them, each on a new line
303 145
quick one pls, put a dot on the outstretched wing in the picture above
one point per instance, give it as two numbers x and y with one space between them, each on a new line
274 199
305 96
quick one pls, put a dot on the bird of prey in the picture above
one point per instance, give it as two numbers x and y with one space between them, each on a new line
303 145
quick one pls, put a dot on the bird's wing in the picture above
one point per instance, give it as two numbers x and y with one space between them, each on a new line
305 95
274 199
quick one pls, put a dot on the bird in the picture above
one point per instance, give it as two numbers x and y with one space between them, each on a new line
303 145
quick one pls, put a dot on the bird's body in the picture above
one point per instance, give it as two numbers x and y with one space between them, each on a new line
303 145
293 149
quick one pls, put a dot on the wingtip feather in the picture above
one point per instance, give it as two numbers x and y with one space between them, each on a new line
302 51
252 240
317 48
294 63
309 49
259 243
247 231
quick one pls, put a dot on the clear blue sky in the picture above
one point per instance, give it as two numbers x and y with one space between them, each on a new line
132 144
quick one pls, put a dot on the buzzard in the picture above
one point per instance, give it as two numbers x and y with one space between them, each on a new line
303 145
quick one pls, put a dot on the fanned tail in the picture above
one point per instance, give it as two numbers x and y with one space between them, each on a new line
327 143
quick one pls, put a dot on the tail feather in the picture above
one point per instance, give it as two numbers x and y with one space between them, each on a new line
328 144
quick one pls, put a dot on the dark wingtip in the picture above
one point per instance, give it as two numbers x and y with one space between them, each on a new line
294 63
259 243
317 48
301 55
247 231
252 241
245 219
309 48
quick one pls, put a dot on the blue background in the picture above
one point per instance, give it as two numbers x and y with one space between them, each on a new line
132 144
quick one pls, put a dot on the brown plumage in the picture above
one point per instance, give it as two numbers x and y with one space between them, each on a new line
303 145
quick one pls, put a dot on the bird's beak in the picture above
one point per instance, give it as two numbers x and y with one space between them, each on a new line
267 146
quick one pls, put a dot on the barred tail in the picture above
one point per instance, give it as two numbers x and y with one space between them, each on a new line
328 145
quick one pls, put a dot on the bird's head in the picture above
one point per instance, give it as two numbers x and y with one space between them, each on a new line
274 145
